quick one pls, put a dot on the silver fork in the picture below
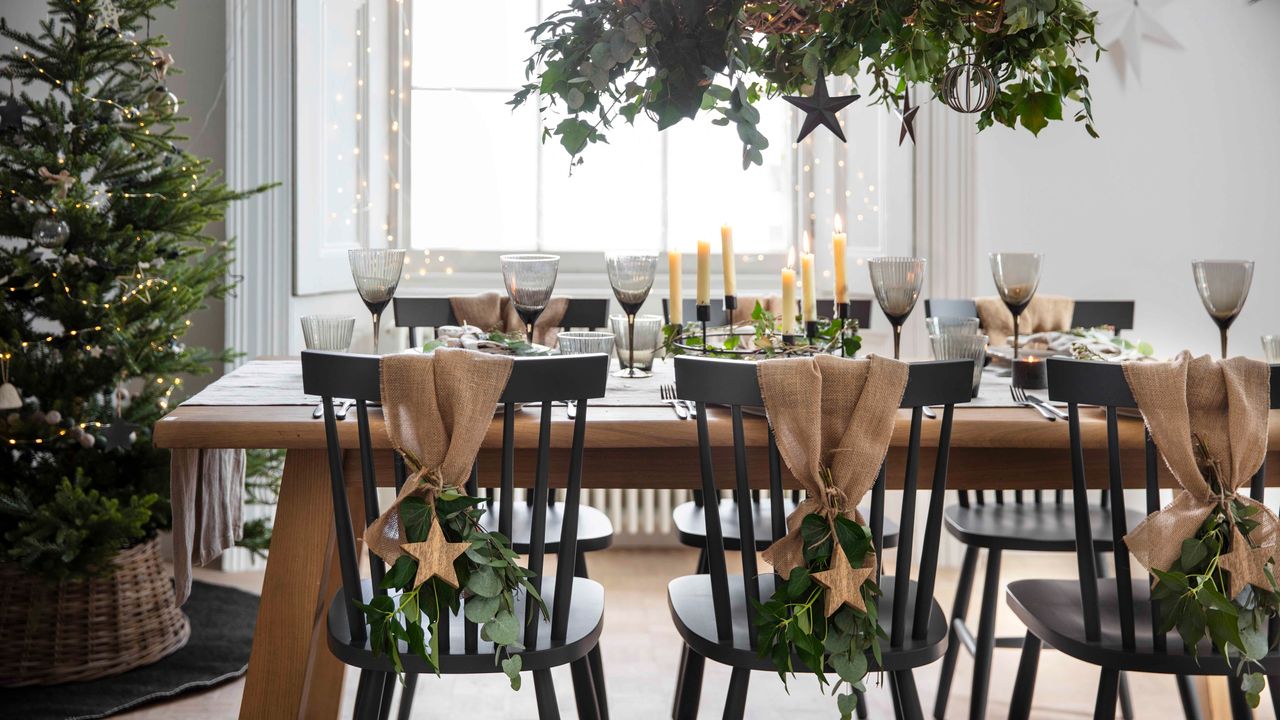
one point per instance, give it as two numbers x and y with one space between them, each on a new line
668 393
1044 403
1020 397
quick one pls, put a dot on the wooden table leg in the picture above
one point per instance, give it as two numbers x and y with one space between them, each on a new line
291 673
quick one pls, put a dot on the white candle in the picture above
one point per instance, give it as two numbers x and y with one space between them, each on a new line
704 272
789 295
839 241
726 254
674 310
809 303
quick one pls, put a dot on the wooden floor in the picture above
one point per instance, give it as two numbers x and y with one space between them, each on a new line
641 650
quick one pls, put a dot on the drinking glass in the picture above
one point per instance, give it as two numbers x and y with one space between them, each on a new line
328 332
377 273
1223 286
646 331
584 342
1271 347
1017 276
951 325
530 278
631 275
962 347
896 282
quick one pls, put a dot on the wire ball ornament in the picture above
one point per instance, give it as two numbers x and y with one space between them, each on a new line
969 88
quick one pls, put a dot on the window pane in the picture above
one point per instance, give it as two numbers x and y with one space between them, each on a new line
446 55
707 186
611 201
474 172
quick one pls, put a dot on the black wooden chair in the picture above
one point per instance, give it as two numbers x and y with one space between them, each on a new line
1087 313
1111 622
859 309
576 603
432 312
994 525
712 611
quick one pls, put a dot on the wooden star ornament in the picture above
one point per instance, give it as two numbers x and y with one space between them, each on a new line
844 582
435 556
1246 564
820 108
908 115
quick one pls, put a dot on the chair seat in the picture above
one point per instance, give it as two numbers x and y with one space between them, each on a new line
689 598
1045 527
691 524
1051 609
586 620
595 531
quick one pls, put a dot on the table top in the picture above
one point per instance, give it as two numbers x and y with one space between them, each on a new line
640 422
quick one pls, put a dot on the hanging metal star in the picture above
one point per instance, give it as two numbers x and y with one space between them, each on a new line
821 108
12 111
908 114
119 434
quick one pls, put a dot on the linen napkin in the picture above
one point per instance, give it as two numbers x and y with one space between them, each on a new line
206 490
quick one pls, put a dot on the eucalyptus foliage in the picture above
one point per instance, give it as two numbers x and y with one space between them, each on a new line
765 340
601 61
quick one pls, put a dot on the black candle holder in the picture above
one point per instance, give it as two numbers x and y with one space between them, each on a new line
811 329
842 312
730 304
704 316
788 339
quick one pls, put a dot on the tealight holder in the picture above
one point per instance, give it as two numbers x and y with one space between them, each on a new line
1030 373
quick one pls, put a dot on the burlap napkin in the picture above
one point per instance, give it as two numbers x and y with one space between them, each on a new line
1043 314
437 408
494 312
829 414
1225 404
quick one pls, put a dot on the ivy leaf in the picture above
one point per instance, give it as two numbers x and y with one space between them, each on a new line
573 134
401 574
415 516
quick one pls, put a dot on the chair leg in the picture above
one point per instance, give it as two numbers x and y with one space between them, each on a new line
1126 702
584 691
895 696
1024 686
368 695
986 640
406 696
689 676
544 691
908 697
960 608
597 679
735 705
1240 709
1108 687
862 704
1191 699
1274 689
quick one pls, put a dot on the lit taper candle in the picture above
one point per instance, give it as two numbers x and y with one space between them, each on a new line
789 294
839 242
810 303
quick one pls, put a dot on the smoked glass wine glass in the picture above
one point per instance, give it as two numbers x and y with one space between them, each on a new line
631 275
1223 286
530 278
377 273
1017 276
896 282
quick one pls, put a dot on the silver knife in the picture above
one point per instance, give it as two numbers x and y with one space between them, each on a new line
1042 403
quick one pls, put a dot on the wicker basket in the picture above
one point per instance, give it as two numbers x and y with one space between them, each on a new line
780 18
87 629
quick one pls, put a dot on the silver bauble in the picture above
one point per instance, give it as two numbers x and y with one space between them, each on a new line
162 102
50 232
87 440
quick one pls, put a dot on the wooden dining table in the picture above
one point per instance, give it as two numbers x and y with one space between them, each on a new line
291 672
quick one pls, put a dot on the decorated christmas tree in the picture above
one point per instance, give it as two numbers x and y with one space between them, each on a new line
103 258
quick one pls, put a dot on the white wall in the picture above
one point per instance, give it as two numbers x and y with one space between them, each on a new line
1188 167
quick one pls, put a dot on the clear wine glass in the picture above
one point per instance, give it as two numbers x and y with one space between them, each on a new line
530 278
377 273
1017 276
896 282
1223 286
631 275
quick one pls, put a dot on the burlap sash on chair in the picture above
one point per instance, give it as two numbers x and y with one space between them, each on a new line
437 408
494 312
1045 313
832 415
1225 406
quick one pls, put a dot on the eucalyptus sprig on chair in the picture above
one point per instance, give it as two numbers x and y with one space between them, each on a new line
449 555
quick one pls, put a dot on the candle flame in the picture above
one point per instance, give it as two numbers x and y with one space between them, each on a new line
839 224
791 257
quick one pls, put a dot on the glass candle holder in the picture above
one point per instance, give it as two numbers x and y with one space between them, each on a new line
584 342
1271 348
962 347
951 325
648 338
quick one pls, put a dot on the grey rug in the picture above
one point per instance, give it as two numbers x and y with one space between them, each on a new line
222 622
